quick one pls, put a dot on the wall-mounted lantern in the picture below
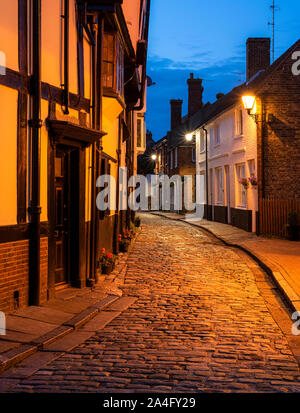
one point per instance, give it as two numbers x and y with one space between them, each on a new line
189 137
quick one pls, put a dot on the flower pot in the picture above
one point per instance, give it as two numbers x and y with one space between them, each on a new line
107 268
293 232
124 246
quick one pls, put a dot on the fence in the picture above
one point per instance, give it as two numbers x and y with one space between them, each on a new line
273 216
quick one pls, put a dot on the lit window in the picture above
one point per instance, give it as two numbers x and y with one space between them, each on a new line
217 135
202 143
241 185
239 122
251 165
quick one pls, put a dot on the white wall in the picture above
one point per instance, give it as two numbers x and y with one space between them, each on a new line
233 149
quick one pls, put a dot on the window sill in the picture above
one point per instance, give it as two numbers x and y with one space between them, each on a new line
239 136
242 207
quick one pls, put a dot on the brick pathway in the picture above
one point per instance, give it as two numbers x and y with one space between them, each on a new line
199 324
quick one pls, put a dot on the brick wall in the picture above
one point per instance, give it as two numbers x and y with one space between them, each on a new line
14 269
281 137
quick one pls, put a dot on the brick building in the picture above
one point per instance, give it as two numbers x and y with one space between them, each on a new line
262 142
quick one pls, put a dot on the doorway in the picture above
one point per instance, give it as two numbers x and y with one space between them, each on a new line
65 217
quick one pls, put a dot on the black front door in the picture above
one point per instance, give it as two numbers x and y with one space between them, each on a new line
62 215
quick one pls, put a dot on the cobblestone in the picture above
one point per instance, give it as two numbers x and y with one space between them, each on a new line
199 324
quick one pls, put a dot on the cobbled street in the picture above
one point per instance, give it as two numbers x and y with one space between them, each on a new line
199 324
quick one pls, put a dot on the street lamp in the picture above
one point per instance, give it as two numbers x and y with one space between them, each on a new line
189 137
154 157
249 102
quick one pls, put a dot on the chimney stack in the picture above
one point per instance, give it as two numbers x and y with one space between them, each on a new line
195 94
258 55
176 112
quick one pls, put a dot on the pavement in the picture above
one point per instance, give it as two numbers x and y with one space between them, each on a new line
31 329
278 257
195 316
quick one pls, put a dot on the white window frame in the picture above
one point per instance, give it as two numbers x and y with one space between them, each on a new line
176 157
219 186
239 122
252 167
217 135
202 143
171 159
241 190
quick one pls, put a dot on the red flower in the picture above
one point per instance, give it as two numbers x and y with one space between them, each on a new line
103 250
109 255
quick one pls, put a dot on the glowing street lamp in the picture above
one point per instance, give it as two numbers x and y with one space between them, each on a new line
154 157
249 102
189 137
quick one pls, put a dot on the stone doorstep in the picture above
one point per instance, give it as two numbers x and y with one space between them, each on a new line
14 356
288 294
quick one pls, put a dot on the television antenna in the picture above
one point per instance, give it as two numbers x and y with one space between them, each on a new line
239 74
274 9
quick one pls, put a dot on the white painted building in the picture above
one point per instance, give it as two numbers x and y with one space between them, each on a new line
232 156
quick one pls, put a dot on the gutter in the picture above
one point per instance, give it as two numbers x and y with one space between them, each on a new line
65 85
144 73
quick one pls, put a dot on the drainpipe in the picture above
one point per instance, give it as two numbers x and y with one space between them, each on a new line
206 173
65 85
117 220
144 72
96 151
35 124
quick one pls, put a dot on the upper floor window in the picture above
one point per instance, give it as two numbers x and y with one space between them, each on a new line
202 143
176 157
239 122
217 135
113 63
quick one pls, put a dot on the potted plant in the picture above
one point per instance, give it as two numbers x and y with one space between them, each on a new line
244 182
106 262
253 181
125 239
292 226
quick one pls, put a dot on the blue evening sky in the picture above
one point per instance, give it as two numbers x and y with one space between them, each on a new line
207 38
